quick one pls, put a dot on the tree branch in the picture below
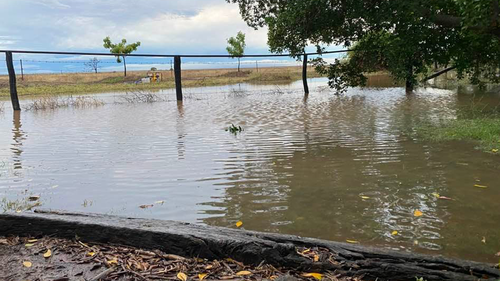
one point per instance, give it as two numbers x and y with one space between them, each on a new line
438 73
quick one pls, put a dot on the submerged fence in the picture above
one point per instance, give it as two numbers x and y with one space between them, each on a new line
177 59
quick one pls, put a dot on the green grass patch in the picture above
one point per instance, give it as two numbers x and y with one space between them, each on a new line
483 130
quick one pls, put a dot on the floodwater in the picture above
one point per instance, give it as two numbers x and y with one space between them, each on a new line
334 167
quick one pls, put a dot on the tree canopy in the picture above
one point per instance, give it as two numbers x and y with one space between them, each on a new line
121 48
236 46
401 36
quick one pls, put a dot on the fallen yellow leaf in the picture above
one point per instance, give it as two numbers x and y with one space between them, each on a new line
32 240
274 277
480 186
182 276
352 241
317 276
418 213
209 266
365 197
202 276
27 264
435 194
239 224
394 232
47 254
484 240
28 245
495 150
112 262
90 254
160 202
316 258
243 273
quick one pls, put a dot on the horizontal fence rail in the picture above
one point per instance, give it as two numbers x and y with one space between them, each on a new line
176 59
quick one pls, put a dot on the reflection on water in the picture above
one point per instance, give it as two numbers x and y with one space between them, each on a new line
18 138
333 167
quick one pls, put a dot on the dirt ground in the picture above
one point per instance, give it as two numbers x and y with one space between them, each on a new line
31 259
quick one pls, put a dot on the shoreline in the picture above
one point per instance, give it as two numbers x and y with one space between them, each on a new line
85 83
247 247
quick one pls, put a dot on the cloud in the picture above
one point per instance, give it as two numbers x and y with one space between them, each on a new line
53 4
204 31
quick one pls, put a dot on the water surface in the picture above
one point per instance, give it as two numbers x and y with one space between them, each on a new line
299 167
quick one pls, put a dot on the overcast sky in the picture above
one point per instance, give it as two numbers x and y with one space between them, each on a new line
166 26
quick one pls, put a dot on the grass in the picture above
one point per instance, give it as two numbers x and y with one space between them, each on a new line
475 123
484 131
141 97
18 205
54 102
79 83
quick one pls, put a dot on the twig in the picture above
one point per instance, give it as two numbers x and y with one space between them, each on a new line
103 274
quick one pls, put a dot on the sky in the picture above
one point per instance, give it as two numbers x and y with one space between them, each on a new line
162 26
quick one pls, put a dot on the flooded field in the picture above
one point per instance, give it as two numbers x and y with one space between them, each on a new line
334 167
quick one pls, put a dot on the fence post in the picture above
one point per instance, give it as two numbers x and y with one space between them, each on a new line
22 70
178 80
12 81
304 75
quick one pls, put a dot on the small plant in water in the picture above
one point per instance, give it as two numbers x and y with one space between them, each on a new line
234 130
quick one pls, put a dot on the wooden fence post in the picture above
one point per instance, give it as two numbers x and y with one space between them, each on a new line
22 70
178 80
304 75
12 81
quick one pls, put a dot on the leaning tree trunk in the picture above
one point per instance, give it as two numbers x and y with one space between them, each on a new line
124 67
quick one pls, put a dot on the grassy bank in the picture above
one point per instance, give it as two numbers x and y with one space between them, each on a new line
82 83
485 131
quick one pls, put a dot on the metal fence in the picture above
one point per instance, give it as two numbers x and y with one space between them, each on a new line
177 60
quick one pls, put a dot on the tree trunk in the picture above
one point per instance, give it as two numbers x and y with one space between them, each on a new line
238 64
124 67
409 81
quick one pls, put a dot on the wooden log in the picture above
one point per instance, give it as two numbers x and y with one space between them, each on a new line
304 75
178 79
12 81
249 247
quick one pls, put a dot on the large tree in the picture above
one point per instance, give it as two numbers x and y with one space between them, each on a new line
122 49
401 36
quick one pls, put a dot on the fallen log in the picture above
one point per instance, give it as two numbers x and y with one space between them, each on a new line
249 247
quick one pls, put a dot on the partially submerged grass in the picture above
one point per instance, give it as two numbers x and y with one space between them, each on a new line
142 97
18 205
485 131
54 102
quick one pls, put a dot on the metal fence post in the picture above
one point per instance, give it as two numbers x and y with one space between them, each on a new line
12 81
178 79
